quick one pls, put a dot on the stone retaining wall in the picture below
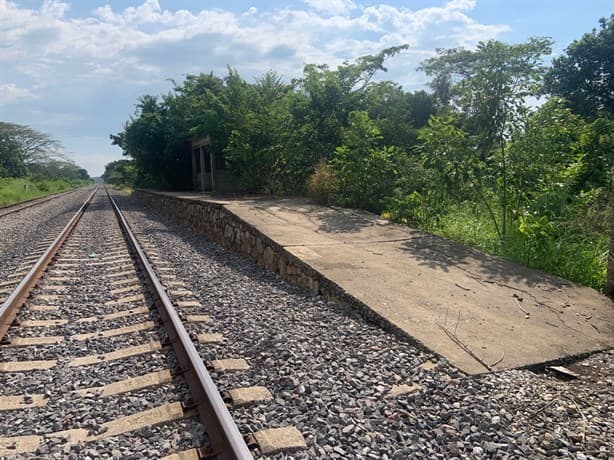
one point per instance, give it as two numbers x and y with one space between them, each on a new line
610 264
219 224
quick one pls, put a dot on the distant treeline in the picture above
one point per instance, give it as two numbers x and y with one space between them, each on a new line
32 163
474 159
26 152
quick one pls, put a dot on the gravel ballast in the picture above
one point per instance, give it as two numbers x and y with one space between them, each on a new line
331 373
84 292
23 230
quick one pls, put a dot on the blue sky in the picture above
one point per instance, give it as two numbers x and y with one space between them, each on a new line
74 69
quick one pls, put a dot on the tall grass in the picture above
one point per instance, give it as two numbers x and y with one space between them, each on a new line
13 190
569 251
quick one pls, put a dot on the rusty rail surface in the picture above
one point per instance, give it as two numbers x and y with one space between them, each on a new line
11 306
223 433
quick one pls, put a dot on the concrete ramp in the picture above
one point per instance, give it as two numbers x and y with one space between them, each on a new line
480 312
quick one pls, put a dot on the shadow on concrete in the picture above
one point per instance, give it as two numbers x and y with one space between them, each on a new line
438 253
336 220
428 250
325 219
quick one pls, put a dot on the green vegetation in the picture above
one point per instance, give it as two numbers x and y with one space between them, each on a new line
583 75
474 160
121 174
32 164
13 190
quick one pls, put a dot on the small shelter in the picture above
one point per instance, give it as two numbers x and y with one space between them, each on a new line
209 172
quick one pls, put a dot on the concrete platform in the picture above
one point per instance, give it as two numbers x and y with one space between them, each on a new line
480 312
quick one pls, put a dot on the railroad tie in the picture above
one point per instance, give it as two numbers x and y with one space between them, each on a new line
276 440
164 413
115 355
230 364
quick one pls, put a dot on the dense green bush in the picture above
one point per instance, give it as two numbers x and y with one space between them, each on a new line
564 248
121 173
365 170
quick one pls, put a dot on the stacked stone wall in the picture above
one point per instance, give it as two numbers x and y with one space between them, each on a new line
217 223
610 263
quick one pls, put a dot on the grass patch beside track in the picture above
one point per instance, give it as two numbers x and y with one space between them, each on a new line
13 190
570 250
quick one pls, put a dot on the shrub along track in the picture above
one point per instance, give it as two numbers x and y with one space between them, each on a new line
89 369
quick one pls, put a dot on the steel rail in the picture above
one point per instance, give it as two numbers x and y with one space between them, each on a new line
25 204
13 303
226 439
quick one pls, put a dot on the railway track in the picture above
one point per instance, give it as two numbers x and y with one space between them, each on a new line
95 360
89 367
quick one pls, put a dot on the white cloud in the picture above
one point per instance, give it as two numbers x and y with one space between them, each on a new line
332 6
461 4
10 92
54 9
119 44
92 152
105 60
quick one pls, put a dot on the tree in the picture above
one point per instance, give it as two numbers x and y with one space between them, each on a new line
460 169
260 120
35 146
363 169
195 109
120 172
157 135
25 151
320 108
330 96
273 133
584 75
58 170
144 139
489 87
597 145
11 157
398 114
546 160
